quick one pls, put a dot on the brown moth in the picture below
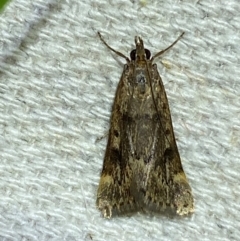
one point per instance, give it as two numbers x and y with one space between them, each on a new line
142 167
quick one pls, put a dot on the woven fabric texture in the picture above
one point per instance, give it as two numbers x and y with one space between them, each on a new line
57 84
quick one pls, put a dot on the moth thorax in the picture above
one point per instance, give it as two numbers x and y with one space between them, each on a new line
141 82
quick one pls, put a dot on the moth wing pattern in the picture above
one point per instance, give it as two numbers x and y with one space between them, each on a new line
114 187
167 185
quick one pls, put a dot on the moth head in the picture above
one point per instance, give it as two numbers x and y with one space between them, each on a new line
140 52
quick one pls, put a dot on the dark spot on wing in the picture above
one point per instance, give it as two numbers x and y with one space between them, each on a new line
116 133
167 132
168 153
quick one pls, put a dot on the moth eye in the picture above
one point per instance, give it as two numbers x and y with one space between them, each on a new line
148 53
133 54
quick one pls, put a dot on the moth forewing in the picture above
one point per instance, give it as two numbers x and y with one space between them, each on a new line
142 167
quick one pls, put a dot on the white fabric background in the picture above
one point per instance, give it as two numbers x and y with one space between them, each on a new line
57 84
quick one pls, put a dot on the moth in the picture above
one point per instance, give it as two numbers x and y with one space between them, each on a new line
142 169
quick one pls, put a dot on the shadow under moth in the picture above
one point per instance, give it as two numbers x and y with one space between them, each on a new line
142 168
